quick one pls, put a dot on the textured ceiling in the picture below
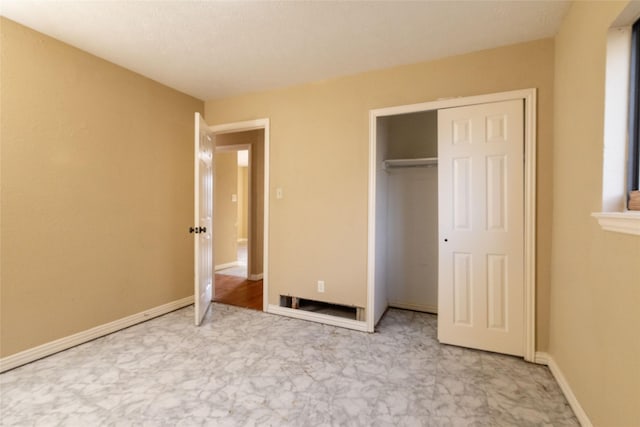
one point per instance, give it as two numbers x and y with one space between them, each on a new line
214 49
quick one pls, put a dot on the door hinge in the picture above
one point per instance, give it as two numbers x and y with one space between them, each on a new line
197 230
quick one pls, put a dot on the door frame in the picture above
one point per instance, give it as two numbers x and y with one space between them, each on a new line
242 127
529 96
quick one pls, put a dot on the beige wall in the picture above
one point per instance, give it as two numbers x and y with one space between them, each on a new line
412 135
319 157
595 298
243 202
225 210
255 139
96 167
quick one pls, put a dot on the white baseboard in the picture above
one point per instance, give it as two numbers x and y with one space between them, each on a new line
227 265
542 358
318 318
546 359
35 353
255 276
415 307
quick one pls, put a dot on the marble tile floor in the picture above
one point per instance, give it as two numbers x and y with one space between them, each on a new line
245 368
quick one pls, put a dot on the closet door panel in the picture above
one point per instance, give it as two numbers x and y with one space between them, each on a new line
496 193
481 226
462 289
462 172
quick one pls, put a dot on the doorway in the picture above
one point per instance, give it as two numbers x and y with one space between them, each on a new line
455 188
232 212
240 214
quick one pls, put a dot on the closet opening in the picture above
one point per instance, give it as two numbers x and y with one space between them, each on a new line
407 220
452 217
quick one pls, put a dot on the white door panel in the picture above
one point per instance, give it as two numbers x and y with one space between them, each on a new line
481 226
204 149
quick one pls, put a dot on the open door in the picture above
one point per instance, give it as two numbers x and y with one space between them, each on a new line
202 229
481 226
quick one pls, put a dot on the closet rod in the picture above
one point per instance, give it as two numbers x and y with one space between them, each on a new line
410 163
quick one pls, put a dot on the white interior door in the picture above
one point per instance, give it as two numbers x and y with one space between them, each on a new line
481 226
204 164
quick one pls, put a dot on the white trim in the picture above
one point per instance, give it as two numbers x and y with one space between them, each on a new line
542 358
256 276
246 126
621 222
242 240
240 126
529 97
232 147
433 309
581 415
530 163
453 102
226 265
266 227
318 318
47 349
371 239
250 213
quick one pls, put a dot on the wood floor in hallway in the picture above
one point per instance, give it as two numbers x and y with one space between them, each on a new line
238 291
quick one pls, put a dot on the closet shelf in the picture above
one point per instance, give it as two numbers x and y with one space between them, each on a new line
410 163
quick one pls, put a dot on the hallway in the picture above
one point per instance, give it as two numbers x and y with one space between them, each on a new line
238 291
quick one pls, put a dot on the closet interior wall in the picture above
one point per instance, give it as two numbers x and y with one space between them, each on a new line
407 214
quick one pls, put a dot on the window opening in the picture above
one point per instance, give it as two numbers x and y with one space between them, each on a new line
633 165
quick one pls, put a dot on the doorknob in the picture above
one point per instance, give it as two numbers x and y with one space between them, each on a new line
203 229
197 230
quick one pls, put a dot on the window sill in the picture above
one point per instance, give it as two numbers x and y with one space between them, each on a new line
627 222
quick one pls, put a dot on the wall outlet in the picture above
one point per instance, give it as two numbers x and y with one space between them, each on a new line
320 285
279 193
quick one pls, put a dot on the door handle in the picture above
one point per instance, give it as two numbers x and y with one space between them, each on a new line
197 230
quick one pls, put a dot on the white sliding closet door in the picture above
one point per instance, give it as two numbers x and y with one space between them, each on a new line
481 226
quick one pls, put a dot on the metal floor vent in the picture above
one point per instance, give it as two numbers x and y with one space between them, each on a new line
337 310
